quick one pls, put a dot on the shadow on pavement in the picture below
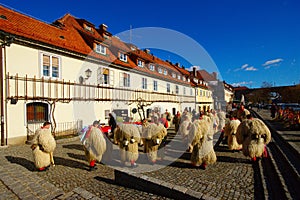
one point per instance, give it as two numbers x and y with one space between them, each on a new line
233 160
29 165
70 163
77 156
73 146
106 180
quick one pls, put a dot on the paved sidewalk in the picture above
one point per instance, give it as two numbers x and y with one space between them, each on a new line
290 136
232 177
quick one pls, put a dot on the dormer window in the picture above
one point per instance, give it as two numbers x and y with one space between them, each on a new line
165 72
140 63
160 70
178 77
151 67
100 49
195 80
88 28
173 75
183 78
189 80
123 57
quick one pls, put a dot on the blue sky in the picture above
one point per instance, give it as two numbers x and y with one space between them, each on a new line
249 41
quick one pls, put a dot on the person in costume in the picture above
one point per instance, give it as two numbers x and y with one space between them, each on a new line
43 146
230 131
153 136
201 142
127 136
94 145
254 135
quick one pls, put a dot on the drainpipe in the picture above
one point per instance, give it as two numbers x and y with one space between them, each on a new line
6 40
1 95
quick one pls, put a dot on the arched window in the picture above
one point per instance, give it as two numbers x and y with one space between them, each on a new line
37 112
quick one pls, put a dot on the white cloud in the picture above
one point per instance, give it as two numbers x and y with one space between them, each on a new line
242 83
242 67
251 69
245 67
191 68
271 63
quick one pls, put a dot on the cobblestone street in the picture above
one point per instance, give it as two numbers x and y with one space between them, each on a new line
232 177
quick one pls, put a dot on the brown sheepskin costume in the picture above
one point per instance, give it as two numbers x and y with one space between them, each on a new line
230 131
43 146
202 144
94 145
253 134
128 137
153 135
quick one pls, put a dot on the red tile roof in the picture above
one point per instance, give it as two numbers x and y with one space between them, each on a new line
68 33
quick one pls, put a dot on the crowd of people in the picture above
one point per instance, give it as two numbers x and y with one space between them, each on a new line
289 117
240 131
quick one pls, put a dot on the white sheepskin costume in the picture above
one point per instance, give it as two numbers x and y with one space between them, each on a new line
43 146
153 135
94 145
230 131
202 144
253 134
128 137
222 120
183 130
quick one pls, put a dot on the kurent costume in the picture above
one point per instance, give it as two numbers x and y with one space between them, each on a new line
128 137
230 131
43 146
153 136
94 145
253 134
201 141
222 120
184 129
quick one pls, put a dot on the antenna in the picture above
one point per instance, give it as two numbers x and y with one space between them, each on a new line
130 34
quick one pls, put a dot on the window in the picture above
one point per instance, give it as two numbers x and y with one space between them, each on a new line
151 67
191 92
178 77
105 76
165 72
197 92
140 63
173 75
100 49
50 66
155 86
184 91
168 88
124 79
200 93
123 57
183 78
160 70
177 89
37 112
144 83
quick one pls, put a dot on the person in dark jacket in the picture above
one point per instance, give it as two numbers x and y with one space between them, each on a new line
112 123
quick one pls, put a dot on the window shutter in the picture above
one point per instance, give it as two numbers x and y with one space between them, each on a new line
111 77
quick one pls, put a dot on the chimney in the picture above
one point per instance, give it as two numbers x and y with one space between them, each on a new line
177 64
194 71
214 74
103 27
147 51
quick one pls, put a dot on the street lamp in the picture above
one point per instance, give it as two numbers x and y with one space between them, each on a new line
88 74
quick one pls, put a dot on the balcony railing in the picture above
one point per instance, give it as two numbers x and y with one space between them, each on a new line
25 88
63 129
